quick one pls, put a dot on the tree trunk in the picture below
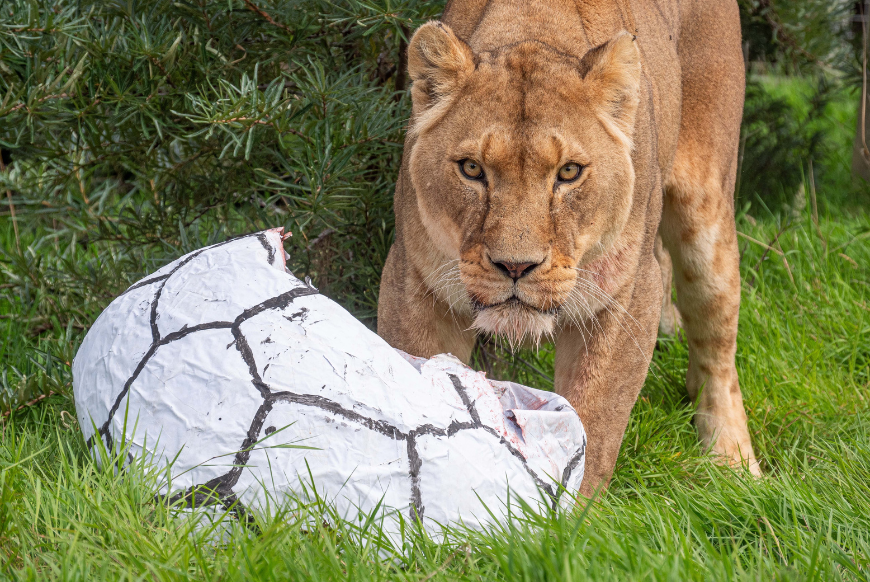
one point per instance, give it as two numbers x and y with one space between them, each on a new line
860 152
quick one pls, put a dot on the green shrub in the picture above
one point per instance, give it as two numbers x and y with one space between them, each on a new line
135 131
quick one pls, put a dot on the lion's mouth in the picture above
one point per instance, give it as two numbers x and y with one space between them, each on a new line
512 302
515 320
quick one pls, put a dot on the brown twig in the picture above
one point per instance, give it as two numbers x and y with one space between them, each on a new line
784 36
163 70
848 258
865 153
758 242
36 400
857 237
401 79
46 98
788 269
769 247
28 29
319 238
265 15
72 419
440 569
773 533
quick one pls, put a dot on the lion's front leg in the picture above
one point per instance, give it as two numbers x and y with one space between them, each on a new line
601 369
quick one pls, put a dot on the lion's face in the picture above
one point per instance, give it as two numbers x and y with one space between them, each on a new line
522 171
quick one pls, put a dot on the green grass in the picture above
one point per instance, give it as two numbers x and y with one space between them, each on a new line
804 363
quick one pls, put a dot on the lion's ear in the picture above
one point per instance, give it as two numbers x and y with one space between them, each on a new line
613 71
438 64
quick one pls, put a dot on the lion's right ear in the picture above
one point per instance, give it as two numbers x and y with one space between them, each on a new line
438 64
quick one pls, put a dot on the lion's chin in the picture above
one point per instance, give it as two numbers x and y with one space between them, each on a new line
518 323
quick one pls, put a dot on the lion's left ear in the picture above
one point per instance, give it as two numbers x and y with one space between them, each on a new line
613 70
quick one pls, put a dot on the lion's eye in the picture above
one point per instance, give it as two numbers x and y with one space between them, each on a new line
471 169
570 172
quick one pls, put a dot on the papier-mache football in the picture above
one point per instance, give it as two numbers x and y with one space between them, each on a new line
215 363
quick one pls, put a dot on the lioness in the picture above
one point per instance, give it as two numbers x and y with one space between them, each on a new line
550 142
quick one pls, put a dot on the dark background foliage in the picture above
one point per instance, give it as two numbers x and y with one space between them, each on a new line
140 130
820 41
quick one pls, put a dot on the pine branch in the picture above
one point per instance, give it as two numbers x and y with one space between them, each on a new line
251 6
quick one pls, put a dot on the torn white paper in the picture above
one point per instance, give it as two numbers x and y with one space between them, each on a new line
220 359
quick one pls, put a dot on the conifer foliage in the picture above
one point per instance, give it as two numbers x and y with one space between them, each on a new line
133 131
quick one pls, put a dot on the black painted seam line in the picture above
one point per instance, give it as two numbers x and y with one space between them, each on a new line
469 405
144 283
229 480
276 302
203 496
207 493
270 250
472 410
219 490
415 463
241 342
328 405
237 509
155 332
176 335
579 454
546 487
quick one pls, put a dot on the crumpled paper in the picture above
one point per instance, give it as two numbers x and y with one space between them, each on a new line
253 388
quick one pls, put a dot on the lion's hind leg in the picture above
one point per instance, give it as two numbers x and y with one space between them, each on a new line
670 321
698 223
698 227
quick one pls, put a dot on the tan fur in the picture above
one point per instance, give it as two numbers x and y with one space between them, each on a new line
523 87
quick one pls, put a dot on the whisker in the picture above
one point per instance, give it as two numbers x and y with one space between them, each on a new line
606 295
570 315
591 315
616 316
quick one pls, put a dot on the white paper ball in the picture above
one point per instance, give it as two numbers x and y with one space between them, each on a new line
220 360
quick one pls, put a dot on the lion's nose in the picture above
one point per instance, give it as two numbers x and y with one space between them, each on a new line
515 270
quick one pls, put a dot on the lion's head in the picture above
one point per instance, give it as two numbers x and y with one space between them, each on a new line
522 170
